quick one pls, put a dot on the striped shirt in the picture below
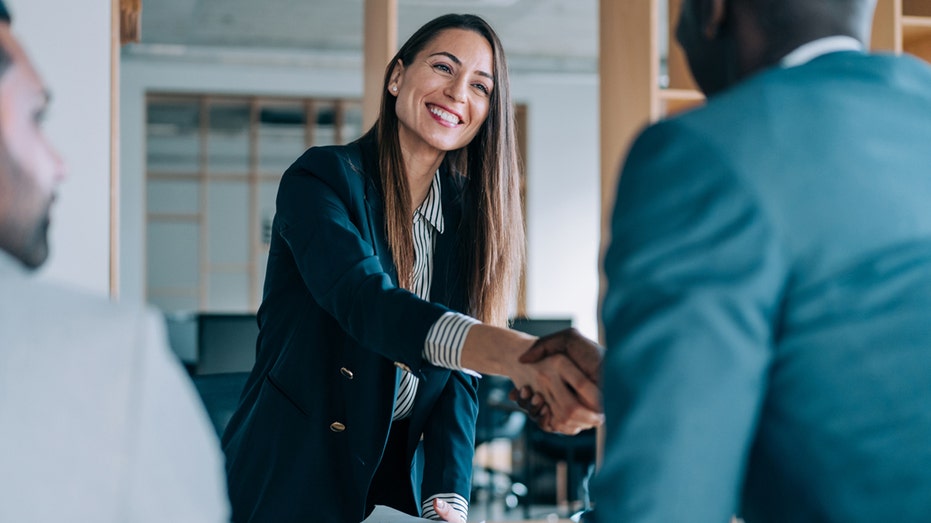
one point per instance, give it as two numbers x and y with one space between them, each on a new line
443 346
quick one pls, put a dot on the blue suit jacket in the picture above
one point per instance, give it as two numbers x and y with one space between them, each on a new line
334 330
768 313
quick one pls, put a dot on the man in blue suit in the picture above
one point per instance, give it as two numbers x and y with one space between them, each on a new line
768 312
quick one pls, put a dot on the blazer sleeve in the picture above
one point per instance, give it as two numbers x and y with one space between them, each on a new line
322 217
694 273
449 438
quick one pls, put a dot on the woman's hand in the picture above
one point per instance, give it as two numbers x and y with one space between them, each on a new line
446 512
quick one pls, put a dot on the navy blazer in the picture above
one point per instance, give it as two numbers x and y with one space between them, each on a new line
768 310
335 330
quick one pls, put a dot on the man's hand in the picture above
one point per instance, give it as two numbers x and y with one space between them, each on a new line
585 353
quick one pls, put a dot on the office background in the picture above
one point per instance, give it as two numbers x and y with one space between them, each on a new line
226 47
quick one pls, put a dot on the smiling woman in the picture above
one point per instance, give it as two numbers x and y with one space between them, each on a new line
344 314
391 264
449 92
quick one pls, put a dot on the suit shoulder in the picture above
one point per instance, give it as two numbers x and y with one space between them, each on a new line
76 329
340 167
53 298
329 162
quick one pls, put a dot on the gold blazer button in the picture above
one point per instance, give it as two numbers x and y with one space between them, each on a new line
402 366
337 426
346 372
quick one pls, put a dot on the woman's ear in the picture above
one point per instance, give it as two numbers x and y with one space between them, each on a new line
394 84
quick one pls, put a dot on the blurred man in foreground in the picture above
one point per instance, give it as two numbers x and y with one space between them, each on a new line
98 423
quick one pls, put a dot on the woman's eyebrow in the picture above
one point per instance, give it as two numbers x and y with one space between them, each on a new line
457 61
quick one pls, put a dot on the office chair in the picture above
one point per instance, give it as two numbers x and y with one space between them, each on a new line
574 457
499 418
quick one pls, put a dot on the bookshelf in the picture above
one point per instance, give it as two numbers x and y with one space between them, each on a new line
903 26
916 28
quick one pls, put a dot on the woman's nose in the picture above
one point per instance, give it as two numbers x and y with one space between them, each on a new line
456 90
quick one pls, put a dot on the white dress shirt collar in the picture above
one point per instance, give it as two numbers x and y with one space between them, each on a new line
432 207
822 46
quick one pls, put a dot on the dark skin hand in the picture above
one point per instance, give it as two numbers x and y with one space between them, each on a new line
585 353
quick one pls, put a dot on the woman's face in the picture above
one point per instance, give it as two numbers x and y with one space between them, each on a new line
443 95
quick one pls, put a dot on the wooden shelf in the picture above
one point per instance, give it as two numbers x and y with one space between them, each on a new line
916 36
916 28
681 95
678 100
916 7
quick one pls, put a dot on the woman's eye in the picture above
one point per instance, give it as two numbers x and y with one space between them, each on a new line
482 88
443 67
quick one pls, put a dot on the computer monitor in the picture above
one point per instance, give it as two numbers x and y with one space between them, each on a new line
226 343
540 326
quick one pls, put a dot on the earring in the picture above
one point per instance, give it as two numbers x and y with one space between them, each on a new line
394 88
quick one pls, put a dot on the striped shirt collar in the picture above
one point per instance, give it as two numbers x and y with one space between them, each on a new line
432 206
811 50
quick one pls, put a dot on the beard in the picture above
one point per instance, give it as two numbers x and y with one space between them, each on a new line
26 220
36 247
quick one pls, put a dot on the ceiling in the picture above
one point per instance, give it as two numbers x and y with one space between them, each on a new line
537 34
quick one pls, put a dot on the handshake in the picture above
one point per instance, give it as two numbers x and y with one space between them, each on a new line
557 377
571 400
567 397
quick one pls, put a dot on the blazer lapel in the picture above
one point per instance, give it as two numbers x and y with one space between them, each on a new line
446 287
375 207
447 258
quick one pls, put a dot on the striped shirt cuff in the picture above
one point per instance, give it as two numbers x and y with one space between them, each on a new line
457 502
443 346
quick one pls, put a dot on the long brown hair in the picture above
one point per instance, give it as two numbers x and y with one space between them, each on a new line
492 221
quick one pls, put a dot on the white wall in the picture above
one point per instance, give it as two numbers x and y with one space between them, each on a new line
70 47
563 175
563 200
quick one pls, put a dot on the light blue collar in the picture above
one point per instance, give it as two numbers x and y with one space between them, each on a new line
822 46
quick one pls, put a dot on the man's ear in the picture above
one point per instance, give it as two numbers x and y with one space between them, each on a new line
713 15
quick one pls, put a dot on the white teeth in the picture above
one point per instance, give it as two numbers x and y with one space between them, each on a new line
446 116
